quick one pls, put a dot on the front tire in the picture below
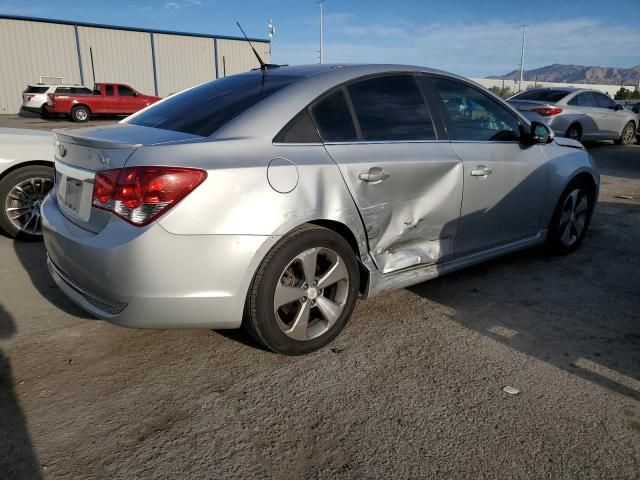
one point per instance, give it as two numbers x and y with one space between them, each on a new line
304 292
571 217
574 132
628 132
80 114
21 194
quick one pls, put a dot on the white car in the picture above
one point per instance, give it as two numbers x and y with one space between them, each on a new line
34 97
26 176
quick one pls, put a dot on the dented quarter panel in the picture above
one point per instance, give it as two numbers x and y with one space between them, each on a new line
237 198
411 215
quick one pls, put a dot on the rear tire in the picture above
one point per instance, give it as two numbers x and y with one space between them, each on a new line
571 217
628 132
304 292
80 114
21 194
574 132
45 114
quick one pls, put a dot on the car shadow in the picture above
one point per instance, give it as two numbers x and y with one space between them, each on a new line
33 257
17 456
576 312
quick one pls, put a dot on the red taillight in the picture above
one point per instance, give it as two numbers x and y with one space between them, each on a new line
139 195
547 111
29 97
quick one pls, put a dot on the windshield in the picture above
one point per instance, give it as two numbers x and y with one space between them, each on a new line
542 95
204 109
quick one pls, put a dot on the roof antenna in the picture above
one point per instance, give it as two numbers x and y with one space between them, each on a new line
263 66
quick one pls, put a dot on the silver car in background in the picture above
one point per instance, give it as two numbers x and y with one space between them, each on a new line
26 176
273 199
577 113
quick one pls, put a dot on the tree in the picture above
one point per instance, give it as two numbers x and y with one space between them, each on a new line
625 94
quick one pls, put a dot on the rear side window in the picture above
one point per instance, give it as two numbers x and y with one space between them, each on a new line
583 100
32 89
333 118
473 115
109 90
391 108
542 95
299 130
602 101
204 109
125 91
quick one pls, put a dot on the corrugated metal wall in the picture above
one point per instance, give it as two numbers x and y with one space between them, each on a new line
119 56
235 56
31 49
182 62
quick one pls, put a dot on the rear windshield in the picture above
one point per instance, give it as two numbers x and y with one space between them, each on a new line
204 109
545 95
32 89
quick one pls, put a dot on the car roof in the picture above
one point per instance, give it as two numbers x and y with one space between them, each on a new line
346 69
55 85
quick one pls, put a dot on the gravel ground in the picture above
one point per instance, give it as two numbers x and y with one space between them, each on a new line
411 389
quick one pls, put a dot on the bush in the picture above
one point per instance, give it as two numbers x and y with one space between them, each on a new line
625 94
503 92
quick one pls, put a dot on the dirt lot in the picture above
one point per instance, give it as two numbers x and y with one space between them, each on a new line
412 387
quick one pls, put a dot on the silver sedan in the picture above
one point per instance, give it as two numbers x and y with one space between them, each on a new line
577 113
274 199
26 176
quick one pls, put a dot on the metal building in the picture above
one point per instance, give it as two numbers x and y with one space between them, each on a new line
151 61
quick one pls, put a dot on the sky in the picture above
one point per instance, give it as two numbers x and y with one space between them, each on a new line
469 37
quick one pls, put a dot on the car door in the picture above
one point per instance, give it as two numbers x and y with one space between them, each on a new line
110 99
505 182
614 117
593 122
405 179
127 100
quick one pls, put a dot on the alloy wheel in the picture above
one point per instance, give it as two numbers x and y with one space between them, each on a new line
311 293
628 134
22 204
573 217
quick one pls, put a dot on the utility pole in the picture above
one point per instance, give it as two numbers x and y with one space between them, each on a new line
271 31
524 38
321 3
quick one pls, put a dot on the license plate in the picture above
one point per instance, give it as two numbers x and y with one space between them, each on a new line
72 194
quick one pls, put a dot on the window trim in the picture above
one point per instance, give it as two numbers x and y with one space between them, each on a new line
450 128
437 121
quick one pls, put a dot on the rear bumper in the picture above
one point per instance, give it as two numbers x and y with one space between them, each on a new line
150 278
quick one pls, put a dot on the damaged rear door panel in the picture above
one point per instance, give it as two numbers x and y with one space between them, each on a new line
411 212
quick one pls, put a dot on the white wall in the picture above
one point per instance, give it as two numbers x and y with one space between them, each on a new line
490 82
119 56
182 62
29 50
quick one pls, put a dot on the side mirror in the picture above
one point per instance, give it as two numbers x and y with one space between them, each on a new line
617 107
538 134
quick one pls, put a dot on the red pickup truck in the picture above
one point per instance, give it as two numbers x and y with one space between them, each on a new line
106 99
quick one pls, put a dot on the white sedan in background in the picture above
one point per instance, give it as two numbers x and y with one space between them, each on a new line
26 176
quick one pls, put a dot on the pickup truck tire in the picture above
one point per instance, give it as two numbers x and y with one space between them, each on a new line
80 113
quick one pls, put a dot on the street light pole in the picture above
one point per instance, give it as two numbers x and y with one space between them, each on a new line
524 37
321 2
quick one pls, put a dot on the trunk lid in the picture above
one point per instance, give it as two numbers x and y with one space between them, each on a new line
528 105
80 153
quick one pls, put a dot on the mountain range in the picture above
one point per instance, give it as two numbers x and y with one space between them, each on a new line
577 74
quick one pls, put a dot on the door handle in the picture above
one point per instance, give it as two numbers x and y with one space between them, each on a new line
374 175
481 171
